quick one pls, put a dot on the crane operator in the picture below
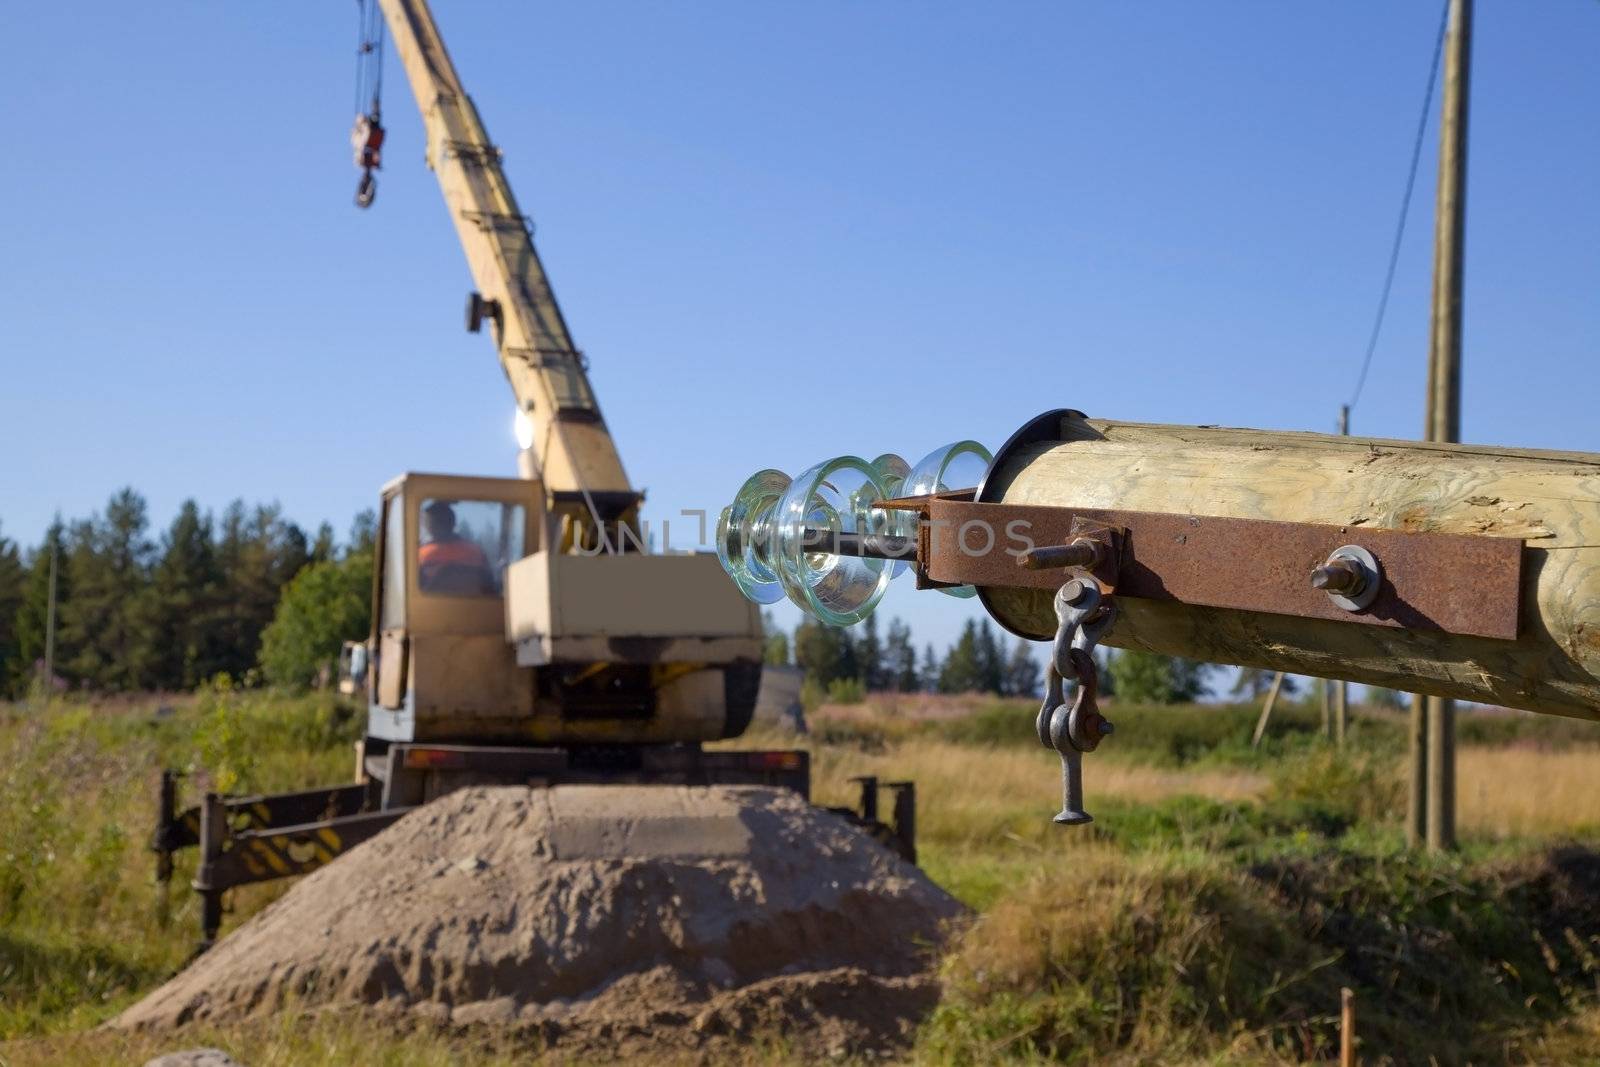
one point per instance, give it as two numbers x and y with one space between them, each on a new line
448 562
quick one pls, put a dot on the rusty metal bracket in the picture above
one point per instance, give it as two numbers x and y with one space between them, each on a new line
1451 583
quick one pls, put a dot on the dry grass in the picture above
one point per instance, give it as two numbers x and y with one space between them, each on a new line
1158 957
79 936
1525 791
962 788
984 813
1504 791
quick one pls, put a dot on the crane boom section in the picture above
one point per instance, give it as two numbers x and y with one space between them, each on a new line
546 371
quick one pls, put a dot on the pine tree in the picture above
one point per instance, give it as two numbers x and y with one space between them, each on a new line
1189 679
869 657
363 532
186 587
821 650
1148 678
960 672
900 659
34 611
258 553
928 675
107 621
1022 672
324 547
1142 677
988 661
849 655
1108 680
13 582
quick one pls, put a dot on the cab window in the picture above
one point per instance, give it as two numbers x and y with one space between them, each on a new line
392 610
465 546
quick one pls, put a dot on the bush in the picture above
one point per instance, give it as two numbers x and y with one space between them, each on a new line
1332 790
1170 957
846 691
1144 956
325 605
1148 678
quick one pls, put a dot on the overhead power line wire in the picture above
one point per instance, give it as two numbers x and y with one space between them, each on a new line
1405 208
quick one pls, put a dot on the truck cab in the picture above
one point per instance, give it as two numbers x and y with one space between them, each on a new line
485 631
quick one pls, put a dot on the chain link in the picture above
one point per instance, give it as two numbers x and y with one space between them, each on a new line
1083 615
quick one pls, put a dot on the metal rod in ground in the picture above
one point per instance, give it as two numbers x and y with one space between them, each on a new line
1266 709
1444 365
1417 751
1347 1027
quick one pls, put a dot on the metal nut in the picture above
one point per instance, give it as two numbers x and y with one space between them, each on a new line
1351 576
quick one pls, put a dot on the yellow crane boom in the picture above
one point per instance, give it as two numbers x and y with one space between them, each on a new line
575 455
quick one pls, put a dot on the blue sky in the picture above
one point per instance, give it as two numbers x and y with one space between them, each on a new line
780 232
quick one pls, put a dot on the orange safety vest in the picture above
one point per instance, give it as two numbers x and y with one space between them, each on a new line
458 550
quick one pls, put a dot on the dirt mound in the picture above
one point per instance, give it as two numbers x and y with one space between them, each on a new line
596 917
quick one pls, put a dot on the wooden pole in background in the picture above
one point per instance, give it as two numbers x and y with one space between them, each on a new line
1444 367
1417 748
1347 1027
1341 688
1266 710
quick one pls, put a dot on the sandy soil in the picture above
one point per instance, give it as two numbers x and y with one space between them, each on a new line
594 919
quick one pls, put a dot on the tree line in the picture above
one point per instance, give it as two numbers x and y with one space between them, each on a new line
249 594
844 664
139 612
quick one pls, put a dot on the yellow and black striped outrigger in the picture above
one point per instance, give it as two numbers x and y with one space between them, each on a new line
246 839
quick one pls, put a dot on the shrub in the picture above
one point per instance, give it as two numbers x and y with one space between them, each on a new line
325 605
846 691
1148 955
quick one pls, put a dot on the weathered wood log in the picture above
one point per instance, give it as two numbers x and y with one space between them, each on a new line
1550 501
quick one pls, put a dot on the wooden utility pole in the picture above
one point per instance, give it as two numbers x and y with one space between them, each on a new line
1347 1027
1444 371
1341 688
1266 710
1417 745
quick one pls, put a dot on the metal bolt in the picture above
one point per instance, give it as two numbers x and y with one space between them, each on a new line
1074 592
1351 576
1339 576
1081 552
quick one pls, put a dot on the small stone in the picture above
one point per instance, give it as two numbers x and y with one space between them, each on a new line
195 1057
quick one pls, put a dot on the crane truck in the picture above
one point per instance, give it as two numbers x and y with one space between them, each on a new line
521 633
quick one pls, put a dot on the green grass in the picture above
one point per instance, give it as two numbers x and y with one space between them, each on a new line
82 928
1211 913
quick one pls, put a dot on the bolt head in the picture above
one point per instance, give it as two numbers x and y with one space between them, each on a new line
1074 592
